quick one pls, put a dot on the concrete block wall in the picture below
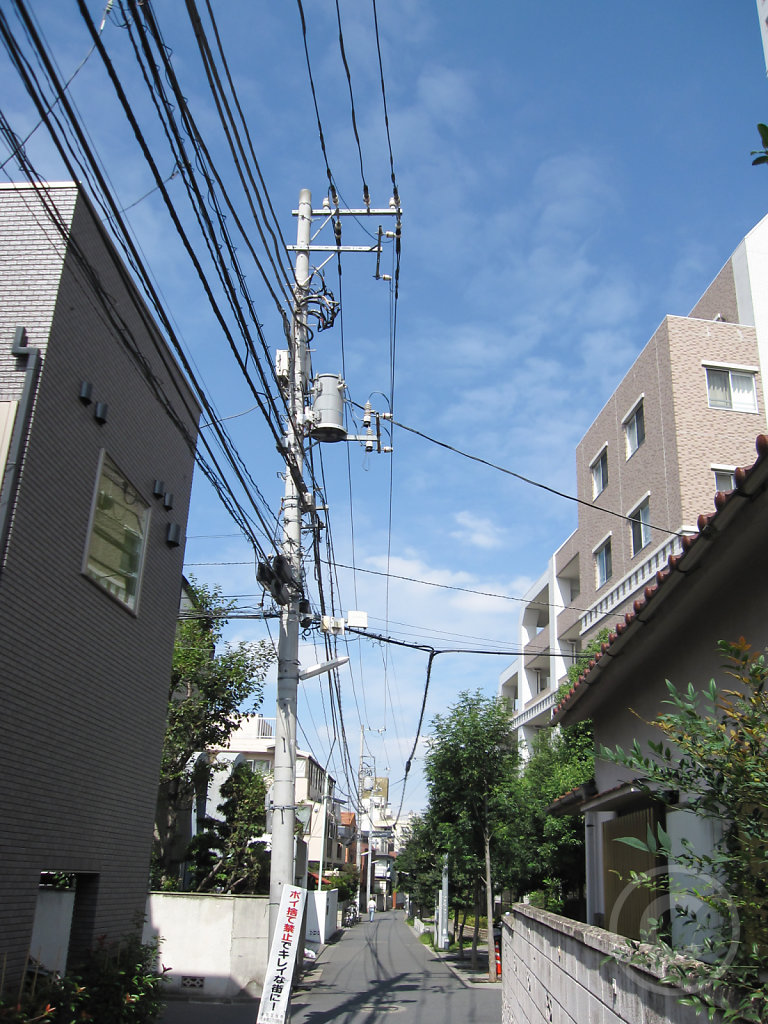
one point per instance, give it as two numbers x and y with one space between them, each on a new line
555 971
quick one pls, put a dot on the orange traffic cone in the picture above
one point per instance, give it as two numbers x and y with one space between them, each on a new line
497 944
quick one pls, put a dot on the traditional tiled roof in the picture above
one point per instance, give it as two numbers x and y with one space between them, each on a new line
748 480
569 802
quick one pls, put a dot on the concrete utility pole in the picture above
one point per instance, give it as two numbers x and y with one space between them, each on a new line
284 576
284 786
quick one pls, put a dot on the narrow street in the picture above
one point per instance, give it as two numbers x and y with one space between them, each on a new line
379 971
370 974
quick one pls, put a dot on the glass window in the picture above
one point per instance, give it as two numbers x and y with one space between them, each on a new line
731 389
724 480
603 565
635 430
600 473
641 529
118 535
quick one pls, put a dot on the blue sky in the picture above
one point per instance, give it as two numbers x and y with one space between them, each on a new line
569 174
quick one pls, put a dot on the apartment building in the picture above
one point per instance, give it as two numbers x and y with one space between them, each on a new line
671 435
97 437
318 809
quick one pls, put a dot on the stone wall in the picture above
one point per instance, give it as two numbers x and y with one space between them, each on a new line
556 970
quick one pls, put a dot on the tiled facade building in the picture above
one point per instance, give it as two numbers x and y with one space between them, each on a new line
97 436
671 435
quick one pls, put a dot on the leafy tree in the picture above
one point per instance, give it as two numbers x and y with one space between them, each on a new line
562 759
225 856
471 771
213 685
712 752
346 880
417 863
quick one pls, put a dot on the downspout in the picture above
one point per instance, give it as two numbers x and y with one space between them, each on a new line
13 463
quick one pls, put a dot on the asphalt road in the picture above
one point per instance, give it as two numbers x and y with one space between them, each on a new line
381 972
376 973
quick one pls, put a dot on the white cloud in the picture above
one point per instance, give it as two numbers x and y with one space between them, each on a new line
478 531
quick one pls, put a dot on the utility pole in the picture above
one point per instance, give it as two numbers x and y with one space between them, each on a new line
284 786
283 578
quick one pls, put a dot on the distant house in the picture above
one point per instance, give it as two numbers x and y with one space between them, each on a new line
254 742
715 589
97 437
348 836
678 424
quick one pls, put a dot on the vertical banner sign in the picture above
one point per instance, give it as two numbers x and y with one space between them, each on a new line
282 956
762 13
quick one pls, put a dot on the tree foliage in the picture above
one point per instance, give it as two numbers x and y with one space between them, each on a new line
761 155
213 686
712 757
417 863
226 856
554 855
471 772
581 663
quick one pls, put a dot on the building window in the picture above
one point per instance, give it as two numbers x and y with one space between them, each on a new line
724 480
731 389
634 429
603 566
118 535
641 528
600 473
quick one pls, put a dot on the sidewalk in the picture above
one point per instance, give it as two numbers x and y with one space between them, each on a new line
462 968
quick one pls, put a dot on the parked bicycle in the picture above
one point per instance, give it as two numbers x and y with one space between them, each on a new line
351 915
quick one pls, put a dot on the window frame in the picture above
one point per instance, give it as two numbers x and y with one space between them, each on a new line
629 423
600 461
723 471
640 527
128 600
745 372
601 578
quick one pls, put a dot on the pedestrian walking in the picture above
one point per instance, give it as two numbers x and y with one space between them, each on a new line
371 908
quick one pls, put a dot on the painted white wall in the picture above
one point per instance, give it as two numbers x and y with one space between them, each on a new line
51 928
219 944
322 915
750 272
694 920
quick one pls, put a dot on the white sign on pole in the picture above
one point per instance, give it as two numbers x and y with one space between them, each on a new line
282 956
762 13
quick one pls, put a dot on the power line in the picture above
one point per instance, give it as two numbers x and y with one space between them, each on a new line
366 194
528 480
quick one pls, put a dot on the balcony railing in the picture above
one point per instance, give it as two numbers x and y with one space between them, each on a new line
535 708
631 583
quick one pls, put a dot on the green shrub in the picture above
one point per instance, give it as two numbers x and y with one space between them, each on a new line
115 984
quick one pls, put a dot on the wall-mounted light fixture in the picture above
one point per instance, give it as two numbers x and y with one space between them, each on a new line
100 412
86 391
173 535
